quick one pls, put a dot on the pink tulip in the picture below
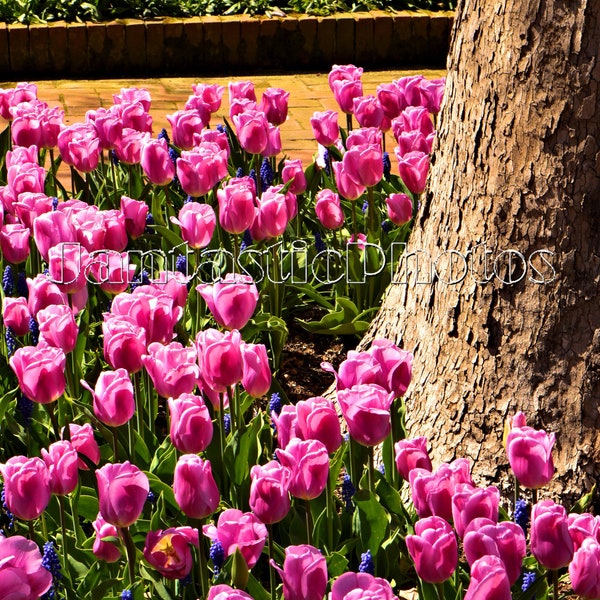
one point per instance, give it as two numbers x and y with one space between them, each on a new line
413 141
505 540
357 586
135 213
231 301
529 453
16 315
410 88
414 118
412 454
82 439
329 209
114 403
135 117
308 462
242 105
43 293
172 368
584 570
128 148
103 549
358 368
239 531
304 573
21 156
133 95
345 83
293 173
156 162
366 409
582 526
469 503
61 459
22 574
58 327
194 487
432 93
399 208
241 90
391 100
395 364
347 186
414 168
124 343
111 270
274 104
368 111
67 264
286 425
79 147
432 492
211 94
122 492
551 543
40 371
252 129
365 136
22 92
214 136
26 486
169 551
27 129
225 592
488 580
30 206
51 229
108 125
256 374
191 425
237 206
197 222
325 127
434 549
269 491
184 124
199 170
220 358
14 242
317 419
364 164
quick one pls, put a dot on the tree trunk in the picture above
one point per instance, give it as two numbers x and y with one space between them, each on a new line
514 183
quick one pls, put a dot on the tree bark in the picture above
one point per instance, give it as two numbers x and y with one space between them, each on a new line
516 168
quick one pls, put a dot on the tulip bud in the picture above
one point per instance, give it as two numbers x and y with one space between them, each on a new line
194 487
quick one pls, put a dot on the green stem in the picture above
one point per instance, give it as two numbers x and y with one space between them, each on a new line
534 497
222 438
309 523
555 584
202 562
395 476
114 180
272 579
236 251
439 588
329 508
115 444
53 419
63 527
131 554
232 410
349 122
371 210
371 471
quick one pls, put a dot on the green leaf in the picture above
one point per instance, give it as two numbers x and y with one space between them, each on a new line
336 564
584 503
164 460
371 520
256 590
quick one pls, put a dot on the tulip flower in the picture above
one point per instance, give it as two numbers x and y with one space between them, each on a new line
345 83
194 487
308 462
469 503
304 573
414 118
239 531
184 124
156 162
413 141
58 327
241 90
286 425
325 127
61 459
432 93
51 229
395 364
220 358
79 146
582 526
434 549
294 173
399 208
197 222
329 209
269 491
274 104
82 439
225 592
14 242
505 540
412 454
253 130
390 98
16 315
40 371
135 213
317 419
584 569
256 371
353 586
551 543
368 111
237 206
172 368
26 486
133 95
103 549
128 148
199 170
488 580
211 94
21 572
124 343
114 403
232 300
122 492
348 187
67 264
169 551
191 425
529 453
272 215
108 125
414 167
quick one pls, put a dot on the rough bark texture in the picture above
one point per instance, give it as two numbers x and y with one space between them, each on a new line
516 167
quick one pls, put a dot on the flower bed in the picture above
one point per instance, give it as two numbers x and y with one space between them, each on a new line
148 446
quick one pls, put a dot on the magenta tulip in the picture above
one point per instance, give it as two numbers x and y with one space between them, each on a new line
293 174
347 186
237 205
391 100
308 462
317 419
413 168
128 147
58 327
103 549
22 572
551 543
122 492
51 229
506 540
135 213
488 580
194 487
432 93
412 454
413 141
269 491
172 368
584 570
414 118
256 374
399 208
286 425
395 364
79 146
156 162
361 586
133 95
67 264
186 123
274 104
345 83
253 131
16 315
114 403
82 439
304 573
108 125
199 170
469 503
325 127
226 592
61 459
368 111
434 549
124 343
329 209
40 371
14 242
43 293
272 216
220 358
236 530
169 551
231 301
582 526
191 425
197 222
529 453
211 94
241 90
26 486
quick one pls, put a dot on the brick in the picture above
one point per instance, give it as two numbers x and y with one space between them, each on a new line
364 44
249 45
135 46
230 54
403 46
325 44
308 38
213 44
58 47
193 32
97 48
176 58
18 39
438 36
117 60
155 39
383 31
344 39
77 44
289 54
267 42
4 54
39 53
